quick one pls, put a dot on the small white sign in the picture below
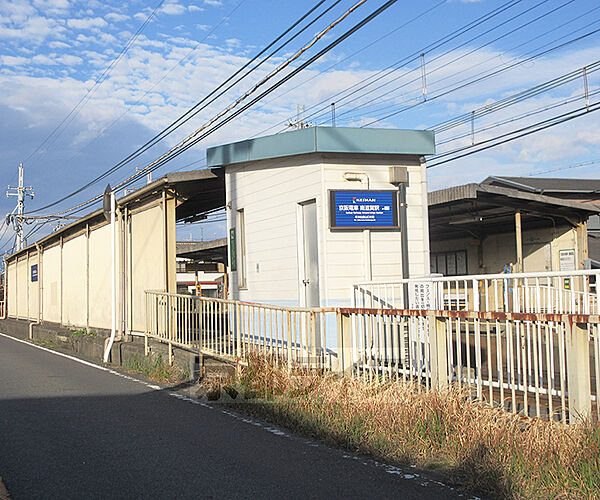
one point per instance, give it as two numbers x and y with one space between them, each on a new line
567 260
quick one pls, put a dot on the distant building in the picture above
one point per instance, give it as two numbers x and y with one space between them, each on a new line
477 228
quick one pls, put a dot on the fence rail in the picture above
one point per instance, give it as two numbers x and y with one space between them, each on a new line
230 329
538 364
574 292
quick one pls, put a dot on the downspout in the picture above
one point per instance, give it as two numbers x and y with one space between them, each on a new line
37 321
113 226
5 311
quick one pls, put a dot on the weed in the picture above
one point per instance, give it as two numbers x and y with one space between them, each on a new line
156 369
488 450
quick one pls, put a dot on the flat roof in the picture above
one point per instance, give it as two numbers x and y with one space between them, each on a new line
324 140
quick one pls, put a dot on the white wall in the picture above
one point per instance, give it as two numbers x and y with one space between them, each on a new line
74 281
64 271
270 192
51 288
269 199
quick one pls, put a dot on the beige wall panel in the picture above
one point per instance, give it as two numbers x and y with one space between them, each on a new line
100 280
74 281
34 295
147 260
11 291
22 287
51 292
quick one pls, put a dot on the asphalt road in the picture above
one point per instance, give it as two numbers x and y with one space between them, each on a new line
70 430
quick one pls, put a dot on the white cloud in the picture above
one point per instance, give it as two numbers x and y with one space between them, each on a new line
172 8
34 29
69 60
14 61
195 8
214 3
115 17
58 45
86 23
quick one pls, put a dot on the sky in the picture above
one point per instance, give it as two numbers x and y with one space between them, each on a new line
83 84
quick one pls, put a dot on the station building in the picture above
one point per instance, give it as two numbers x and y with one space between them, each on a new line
312 211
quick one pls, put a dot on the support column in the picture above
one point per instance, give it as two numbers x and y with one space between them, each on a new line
345 354
438 351
519 242
578 371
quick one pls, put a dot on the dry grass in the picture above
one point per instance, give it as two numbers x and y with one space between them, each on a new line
486 450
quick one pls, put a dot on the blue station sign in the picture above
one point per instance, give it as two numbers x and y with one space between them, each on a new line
34 272
363 209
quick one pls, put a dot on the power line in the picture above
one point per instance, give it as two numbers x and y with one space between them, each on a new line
192 140
148 90
448 63
186 116
516 134
394 66
577 165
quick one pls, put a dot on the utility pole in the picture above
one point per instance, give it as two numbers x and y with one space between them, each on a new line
20 192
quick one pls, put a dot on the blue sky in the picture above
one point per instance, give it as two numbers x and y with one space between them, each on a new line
52 52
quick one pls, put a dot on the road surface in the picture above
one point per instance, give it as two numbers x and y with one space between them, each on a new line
73 430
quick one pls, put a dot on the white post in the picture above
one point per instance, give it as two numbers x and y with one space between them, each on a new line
113 227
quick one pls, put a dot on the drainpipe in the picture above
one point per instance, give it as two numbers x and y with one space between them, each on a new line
5 312
37 321
113 226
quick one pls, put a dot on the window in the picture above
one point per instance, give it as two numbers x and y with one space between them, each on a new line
449 263
241 248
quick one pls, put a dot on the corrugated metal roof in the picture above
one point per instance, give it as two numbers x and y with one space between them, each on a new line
543 184
324 140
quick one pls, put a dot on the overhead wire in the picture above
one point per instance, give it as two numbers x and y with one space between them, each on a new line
192 139
167 73
513 135
446 63
214 94
392 67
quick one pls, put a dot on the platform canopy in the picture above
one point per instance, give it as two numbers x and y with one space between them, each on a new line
480 209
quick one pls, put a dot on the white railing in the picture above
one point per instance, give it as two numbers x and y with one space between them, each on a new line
532 363
574 292
230 329
523 362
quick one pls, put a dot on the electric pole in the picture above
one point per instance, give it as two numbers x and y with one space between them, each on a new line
20 192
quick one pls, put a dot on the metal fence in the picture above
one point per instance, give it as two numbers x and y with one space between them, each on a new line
538 364
230 329
543 365
574 292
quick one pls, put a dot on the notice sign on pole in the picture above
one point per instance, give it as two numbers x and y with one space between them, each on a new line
363 209
34 272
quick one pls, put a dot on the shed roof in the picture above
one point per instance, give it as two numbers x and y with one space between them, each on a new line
198 191
324 140
480 209
547 184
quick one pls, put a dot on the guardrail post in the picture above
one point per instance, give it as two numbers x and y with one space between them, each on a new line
578 371
344 334
438 352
